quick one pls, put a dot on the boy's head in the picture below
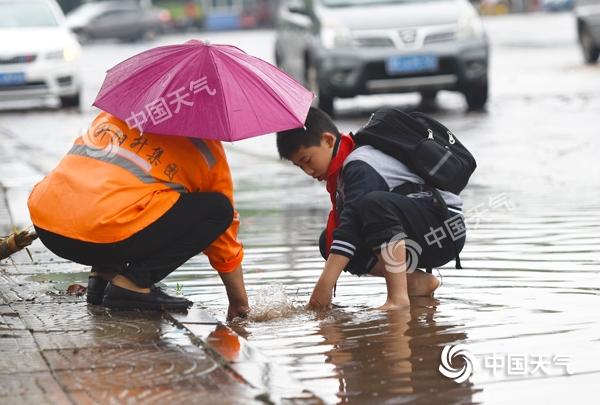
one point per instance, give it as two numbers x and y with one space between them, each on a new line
311 147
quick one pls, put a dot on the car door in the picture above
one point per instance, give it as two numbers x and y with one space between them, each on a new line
103 25
133 22
116 23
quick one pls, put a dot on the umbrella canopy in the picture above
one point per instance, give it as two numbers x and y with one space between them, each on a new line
203 91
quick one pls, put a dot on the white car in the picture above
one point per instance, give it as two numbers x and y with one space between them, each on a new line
38 53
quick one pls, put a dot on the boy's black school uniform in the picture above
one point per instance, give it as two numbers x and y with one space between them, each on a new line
378 198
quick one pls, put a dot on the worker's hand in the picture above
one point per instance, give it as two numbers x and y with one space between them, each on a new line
236 310
236 293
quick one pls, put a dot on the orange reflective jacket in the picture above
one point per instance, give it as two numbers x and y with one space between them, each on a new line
115 182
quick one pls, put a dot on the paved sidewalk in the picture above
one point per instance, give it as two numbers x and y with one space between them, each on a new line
55 348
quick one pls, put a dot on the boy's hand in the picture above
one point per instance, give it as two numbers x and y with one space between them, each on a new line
321 295
320 298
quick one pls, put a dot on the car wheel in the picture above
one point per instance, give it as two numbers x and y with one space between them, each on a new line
71 101
428 100
83 37
277 58
476 95
429 96
323 100
589 48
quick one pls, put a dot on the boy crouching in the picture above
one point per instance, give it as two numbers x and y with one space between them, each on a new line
382 213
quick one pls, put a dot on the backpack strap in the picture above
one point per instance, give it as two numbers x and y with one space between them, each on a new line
407 188
438 197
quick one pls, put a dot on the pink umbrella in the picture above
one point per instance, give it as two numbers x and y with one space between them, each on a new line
203 91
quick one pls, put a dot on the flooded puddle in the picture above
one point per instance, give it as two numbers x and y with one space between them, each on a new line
530 290
524 307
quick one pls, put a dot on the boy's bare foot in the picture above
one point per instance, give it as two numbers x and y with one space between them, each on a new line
393 305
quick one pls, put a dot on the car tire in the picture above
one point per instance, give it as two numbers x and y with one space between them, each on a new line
277 58
83 37
428 100
72 101
429 96
323 100
589 48
476 95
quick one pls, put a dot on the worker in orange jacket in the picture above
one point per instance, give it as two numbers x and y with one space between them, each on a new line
137 206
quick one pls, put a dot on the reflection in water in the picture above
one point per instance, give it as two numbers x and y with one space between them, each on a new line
225 342
391 357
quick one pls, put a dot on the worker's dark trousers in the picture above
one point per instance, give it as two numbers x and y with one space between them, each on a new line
148 256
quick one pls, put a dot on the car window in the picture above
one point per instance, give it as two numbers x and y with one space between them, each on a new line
348 3
24 14
86 11
107 15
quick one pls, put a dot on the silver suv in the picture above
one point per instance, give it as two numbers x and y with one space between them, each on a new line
587 13
343 48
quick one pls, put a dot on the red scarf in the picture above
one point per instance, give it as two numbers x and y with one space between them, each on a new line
344 148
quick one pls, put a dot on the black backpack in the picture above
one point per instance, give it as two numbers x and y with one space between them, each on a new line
423 144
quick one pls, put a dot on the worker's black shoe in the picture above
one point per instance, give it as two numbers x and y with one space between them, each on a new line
161 292
95 290
156 300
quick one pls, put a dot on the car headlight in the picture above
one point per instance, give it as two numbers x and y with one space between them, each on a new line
470 26
69 53
335 35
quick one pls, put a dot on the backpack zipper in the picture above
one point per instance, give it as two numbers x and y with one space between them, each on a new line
430 132
451 138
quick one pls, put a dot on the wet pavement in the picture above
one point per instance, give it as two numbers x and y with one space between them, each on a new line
56 349
524 306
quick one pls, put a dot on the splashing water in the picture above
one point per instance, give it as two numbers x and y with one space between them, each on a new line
272 302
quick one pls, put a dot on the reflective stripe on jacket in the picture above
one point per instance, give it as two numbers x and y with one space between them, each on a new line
115 182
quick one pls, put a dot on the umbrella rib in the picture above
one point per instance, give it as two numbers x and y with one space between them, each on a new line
273 94
246 97
138 72
222 95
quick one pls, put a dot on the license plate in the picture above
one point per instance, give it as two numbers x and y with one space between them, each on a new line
411 64
12 79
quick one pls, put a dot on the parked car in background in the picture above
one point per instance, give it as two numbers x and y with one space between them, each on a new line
587 13
38 53
343 48
123 20
557 5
